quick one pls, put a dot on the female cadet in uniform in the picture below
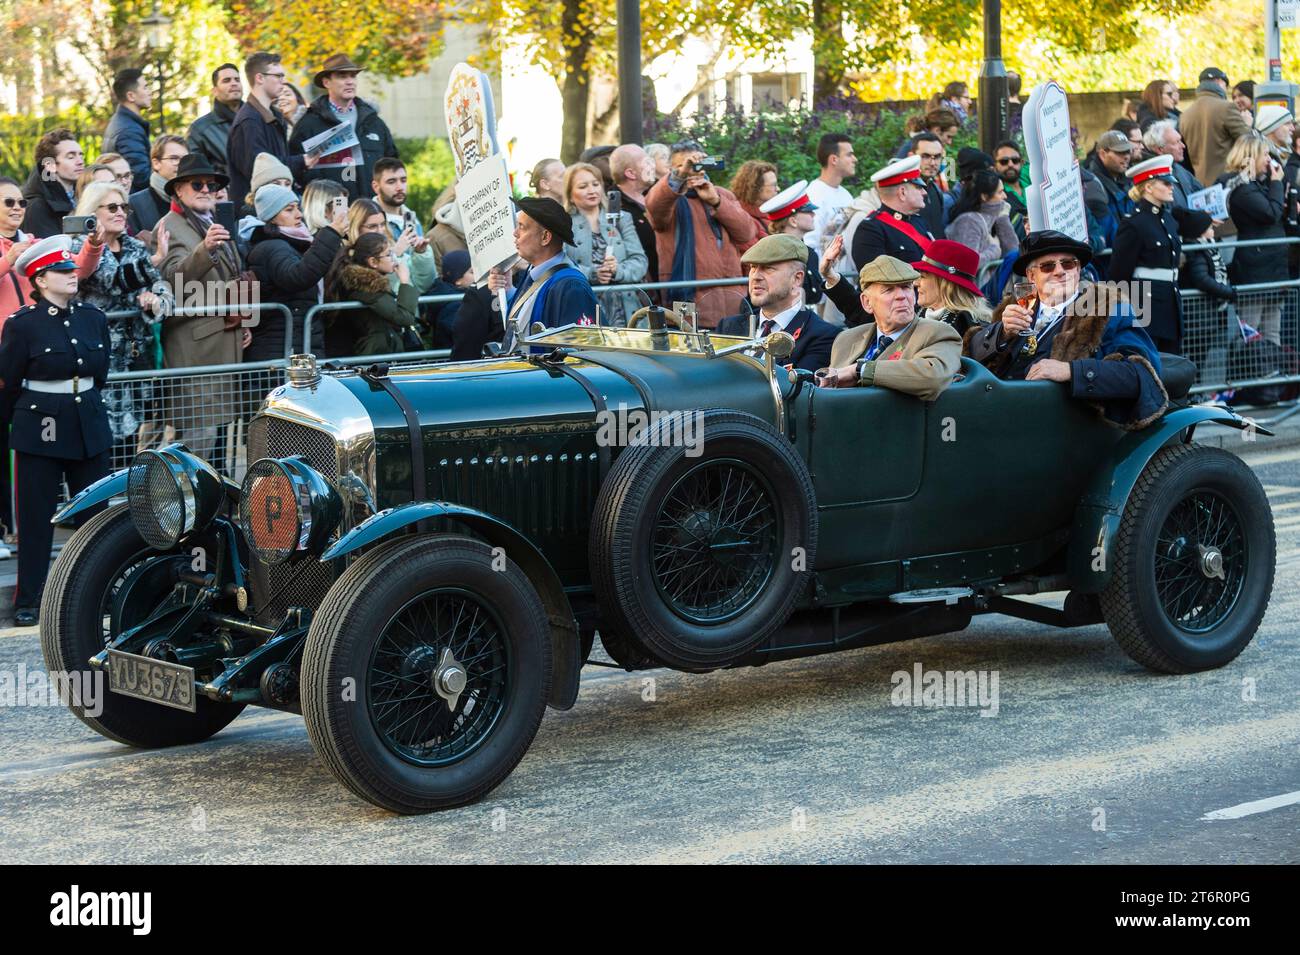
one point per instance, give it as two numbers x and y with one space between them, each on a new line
1147 249
53 364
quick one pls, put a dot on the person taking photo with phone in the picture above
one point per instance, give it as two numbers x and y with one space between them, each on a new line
204 262
389 185
290 264
1257 207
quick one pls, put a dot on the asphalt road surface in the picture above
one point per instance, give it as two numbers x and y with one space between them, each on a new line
1088 759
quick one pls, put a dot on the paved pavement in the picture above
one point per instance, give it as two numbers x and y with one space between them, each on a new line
1089 759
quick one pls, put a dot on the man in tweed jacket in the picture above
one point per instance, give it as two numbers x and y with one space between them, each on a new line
897 350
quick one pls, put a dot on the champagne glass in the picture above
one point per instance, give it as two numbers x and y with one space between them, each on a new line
1026 295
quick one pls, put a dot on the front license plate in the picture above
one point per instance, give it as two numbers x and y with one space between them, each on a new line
154 680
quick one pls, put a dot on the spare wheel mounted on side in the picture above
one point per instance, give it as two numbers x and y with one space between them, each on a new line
697 560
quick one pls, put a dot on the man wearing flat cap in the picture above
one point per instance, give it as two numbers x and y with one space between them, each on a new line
1079 333
339 103
895 349
552 290
777 265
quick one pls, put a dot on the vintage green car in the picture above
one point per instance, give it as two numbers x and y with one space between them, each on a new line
419 559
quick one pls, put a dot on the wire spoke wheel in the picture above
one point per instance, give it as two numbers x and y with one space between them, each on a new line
714 541
437 678
1200 561
1193 561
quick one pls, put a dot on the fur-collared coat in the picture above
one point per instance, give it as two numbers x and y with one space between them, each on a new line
379 325
1114 365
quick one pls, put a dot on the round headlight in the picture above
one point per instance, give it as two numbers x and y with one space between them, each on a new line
171 493
286 507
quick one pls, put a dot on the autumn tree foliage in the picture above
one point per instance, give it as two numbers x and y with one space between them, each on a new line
390 38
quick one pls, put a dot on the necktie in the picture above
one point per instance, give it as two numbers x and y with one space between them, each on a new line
768 325
882 342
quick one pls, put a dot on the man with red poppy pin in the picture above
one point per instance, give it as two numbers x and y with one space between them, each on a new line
776 265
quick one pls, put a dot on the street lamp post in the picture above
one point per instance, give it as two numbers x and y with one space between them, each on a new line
157 31
993 81
630 121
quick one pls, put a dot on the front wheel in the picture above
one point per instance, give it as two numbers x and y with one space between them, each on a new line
78 620
1193 561
426 673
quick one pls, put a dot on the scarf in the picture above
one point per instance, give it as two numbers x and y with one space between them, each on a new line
301 232
159 185
684 244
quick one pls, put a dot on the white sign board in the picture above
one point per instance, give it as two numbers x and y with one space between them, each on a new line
1213 200
1286 14
483 197
1055 193
483 184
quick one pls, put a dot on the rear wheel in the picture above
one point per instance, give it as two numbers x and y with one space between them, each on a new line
426 673
1193 561
78 620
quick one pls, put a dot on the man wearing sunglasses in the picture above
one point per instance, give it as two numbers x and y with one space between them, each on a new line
204 267
1007 163
1075 332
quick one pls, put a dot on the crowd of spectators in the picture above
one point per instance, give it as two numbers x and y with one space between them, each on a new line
239 203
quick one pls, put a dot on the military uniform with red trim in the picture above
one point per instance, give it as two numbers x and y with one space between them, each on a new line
53 364
888 232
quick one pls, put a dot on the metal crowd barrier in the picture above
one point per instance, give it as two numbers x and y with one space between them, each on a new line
600 290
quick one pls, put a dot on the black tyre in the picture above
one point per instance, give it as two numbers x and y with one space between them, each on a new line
1193 561
378 687
700 559
74 627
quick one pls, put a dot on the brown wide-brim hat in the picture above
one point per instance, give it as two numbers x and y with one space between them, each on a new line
338 63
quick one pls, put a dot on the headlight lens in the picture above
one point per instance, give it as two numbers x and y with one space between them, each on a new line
171 493
286 507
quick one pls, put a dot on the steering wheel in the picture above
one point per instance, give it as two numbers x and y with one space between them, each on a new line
641 319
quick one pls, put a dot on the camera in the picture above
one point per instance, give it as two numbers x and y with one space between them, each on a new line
79 225
710 164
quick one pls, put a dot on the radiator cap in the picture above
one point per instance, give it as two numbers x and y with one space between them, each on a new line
302 371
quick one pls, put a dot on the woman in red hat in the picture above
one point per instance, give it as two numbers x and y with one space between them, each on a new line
947 289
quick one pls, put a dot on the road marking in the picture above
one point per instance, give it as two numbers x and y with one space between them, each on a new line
1273 457
957 800
1251 808
1280 490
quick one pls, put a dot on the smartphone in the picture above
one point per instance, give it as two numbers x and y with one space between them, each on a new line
614 202
223 214
338 204
79 225
408 218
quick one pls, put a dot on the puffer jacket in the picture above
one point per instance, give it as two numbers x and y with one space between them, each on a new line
289 270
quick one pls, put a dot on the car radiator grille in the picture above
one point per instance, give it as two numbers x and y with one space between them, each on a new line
304 581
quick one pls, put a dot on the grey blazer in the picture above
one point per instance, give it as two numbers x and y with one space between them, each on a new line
615 308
